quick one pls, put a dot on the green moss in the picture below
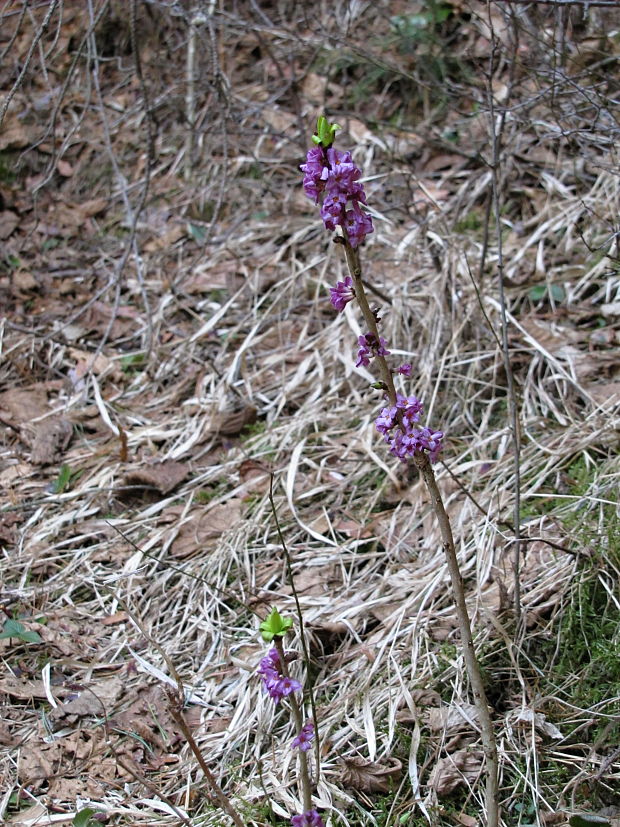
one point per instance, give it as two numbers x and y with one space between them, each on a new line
471 222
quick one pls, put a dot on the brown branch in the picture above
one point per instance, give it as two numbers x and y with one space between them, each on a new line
423 463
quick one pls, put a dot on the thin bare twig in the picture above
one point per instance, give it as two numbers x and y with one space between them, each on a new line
515 428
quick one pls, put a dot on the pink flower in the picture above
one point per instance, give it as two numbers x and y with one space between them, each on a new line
277 685
342 293
303 741
357 225
369 347
310 818
397 423
333 175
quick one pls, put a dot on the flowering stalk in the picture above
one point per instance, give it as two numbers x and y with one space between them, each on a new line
331 176
279 684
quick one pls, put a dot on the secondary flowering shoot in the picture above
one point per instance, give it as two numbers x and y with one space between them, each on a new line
277 685
310 818
398 422
303 741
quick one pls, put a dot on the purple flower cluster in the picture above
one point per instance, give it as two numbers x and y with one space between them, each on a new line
398 424
277 685
333 175
303 741
369 347
310 818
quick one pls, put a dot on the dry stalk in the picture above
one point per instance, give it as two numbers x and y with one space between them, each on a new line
423 464
196 18
306 651
304 774
515 428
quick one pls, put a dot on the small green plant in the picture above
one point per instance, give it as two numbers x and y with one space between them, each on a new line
547 293
84 818
65 479
133 362
13 629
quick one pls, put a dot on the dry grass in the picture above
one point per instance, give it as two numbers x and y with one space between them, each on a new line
244 370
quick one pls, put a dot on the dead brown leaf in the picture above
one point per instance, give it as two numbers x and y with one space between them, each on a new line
605 393
149 716
50 438
466 820
8 222
254 477
92 700
24 281
99 364
353 529
230 423
548 818
202 527
8 521
370 776
25 404
314 87
462 766
163 476
64 168
25 690
317 580
29 816
450 719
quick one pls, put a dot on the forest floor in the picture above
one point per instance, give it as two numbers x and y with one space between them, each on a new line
168 351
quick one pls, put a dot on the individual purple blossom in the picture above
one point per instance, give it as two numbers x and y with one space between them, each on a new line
404 370
342 293
369 347
358 225
310 818
303 741
342 171
315 173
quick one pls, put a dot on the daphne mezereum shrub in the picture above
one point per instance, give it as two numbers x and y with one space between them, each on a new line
332 181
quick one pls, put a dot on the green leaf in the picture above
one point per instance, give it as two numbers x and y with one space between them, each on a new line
537 293
132 360
588 820
542 292
14 629
557 292
83 817
275 626
197 232
325 132
62 480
